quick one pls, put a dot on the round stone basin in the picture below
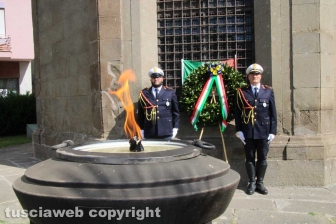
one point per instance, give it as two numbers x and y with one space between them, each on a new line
117 152
173 178
123 147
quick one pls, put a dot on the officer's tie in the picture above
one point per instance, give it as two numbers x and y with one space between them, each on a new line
156 96
255 92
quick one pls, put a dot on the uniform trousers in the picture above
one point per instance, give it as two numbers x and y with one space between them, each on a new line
256 145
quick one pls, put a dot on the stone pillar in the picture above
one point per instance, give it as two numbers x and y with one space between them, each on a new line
296 47
81 49
64 55
127 41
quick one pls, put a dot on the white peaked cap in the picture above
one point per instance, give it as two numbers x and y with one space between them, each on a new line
254 68
155 71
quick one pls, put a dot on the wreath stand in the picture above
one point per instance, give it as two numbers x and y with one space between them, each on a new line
213 100
223 142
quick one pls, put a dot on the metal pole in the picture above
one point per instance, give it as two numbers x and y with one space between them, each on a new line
200 137
220 130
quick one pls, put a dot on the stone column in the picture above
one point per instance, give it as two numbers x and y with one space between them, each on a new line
299 60
128 40
64 37
81 49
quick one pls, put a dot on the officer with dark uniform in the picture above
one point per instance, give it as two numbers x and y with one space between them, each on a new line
256 125
158 110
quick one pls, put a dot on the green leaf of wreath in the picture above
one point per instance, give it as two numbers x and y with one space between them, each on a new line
194 84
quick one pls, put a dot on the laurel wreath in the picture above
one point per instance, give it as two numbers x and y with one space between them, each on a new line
194 84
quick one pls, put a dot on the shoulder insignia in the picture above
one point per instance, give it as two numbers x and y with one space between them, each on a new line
145 89
266 86
243 87
166 87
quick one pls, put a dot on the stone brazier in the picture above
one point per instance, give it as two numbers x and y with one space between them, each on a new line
168 182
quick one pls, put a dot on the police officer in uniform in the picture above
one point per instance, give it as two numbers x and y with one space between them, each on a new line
158 110
256 125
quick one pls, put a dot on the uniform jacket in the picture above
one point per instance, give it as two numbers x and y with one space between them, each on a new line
264 111
167 112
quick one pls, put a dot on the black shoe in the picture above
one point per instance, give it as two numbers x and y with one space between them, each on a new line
261 170
261 189
251 188
251 174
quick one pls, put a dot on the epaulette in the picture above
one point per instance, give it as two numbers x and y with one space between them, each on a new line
266 86
166 87
242 87
144 89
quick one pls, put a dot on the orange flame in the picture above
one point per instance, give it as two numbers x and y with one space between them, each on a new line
131 127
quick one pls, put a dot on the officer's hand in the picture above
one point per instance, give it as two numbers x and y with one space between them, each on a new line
142 134
174 132
270 138
240 135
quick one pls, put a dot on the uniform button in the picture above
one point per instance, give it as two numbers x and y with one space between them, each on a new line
158 117
255 100
255 106
266 122
157 100
255 113
157 111
255 119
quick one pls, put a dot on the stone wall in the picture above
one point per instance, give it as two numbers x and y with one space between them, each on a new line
65 37
298 59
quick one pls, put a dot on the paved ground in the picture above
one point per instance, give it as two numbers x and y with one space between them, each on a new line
13 163
281 205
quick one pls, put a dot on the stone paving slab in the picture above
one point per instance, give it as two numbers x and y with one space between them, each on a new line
282 205
13 206
7 192
266 217
5 164
13 163
12 170
294 193
307 206
13 178
251 204
332 189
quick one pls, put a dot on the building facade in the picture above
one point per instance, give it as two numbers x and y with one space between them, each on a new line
82 47
16 46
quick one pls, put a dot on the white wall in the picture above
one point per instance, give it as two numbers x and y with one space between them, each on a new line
25 80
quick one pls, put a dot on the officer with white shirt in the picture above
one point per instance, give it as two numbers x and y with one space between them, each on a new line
158 110
256 125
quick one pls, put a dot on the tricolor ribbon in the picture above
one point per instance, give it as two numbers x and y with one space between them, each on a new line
217 77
